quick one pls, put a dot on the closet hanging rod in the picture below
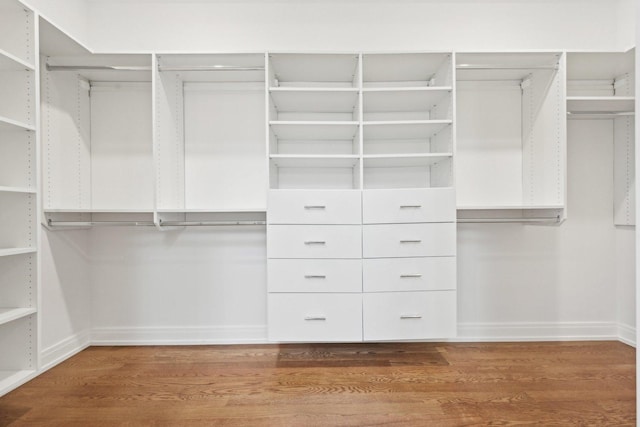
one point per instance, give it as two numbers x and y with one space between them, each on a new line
504 67
508 220
97 67
211 68
208 223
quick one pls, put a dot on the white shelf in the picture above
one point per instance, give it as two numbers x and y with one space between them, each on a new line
16 251
214 211
25 190
12 379
10 62
404 160
304 161
401 67
315 130
405 129
317 100
10 124
332 68
10 314
600 104
89 211
403 99
509 207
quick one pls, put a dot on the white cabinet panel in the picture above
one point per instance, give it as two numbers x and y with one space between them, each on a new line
408 205
315 275
314 241
409 240
409 315
314 207
315 317
409 274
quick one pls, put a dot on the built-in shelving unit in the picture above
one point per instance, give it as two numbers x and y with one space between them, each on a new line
19 184
511 135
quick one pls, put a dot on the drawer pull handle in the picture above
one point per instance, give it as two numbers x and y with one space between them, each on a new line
315 242
410 206
410 316
410 276
314 276
314 318
310 207
410 241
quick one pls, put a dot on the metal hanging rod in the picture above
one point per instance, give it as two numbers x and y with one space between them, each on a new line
208 223
210 68
508 220
97 67
504 67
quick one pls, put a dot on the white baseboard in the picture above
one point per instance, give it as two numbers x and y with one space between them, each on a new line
537 331
627 334
64 349
179 335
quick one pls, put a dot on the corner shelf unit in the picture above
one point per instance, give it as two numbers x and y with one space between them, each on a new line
19 189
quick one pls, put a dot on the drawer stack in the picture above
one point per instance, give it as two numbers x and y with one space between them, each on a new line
314 248
409 265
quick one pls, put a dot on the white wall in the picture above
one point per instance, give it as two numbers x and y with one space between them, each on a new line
70 15
347 25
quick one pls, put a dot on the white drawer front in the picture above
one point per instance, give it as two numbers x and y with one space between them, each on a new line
314 207
409 240
408 205
409 274
314 241
315 317
315 275
409 315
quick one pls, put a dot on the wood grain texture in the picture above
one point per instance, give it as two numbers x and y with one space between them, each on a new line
408 384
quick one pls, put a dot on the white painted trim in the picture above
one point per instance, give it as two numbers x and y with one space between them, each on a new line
627 334
64 349
180 335
537 331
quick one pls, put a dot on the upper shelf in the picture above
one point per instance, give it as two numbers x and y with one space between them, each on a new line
405 69
503 66
404 160
324 70
318 100
599 65
13 125
24 190
10 62
403 99
315 130
406 129
594 105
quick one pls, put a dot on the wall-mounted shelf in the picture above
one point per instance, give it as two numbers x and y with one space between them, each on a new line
10 314
23 190
317 100
605 106
400 99
405 129
12 125
511 213
404 160
303 161
10 62
322 70
326 130
16 251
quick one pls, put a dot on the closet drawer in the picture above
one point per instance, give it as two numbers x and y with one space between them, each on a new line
314 241
315 275
409 240
408 205
315 317
314 207
409 315
409 274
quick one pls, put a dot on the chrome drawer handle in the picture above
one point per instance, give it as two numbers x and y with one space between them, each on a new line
410 206
410 316
410 276
315 242
309 207
313 318
314 276
410 241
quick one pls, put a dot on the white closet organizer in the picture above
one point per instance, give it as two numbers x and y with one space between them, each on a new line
209 138
97 139
601 86
511 137
19 184
381 124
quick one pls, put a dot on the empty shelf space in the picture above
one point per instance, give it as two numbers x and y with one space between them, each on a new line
405 129
404 160
600 104
16 251
303 161
335 70
10 124
319 100
511 213
316 130
10 314
403 99
10 62
404 69
17 190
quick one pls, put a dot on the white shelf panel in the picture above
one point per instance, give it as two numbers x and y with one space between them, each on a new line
401 67
9 62
336 68
16 251
410 129
287 99
404 160
13 125
503 66
25 190
214 211
11 379
600 104
10 314
314 130
509 207
301 161
403 99
71 210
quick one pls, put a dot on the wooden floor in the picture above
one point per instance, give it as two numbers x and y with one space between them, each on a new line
573 383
